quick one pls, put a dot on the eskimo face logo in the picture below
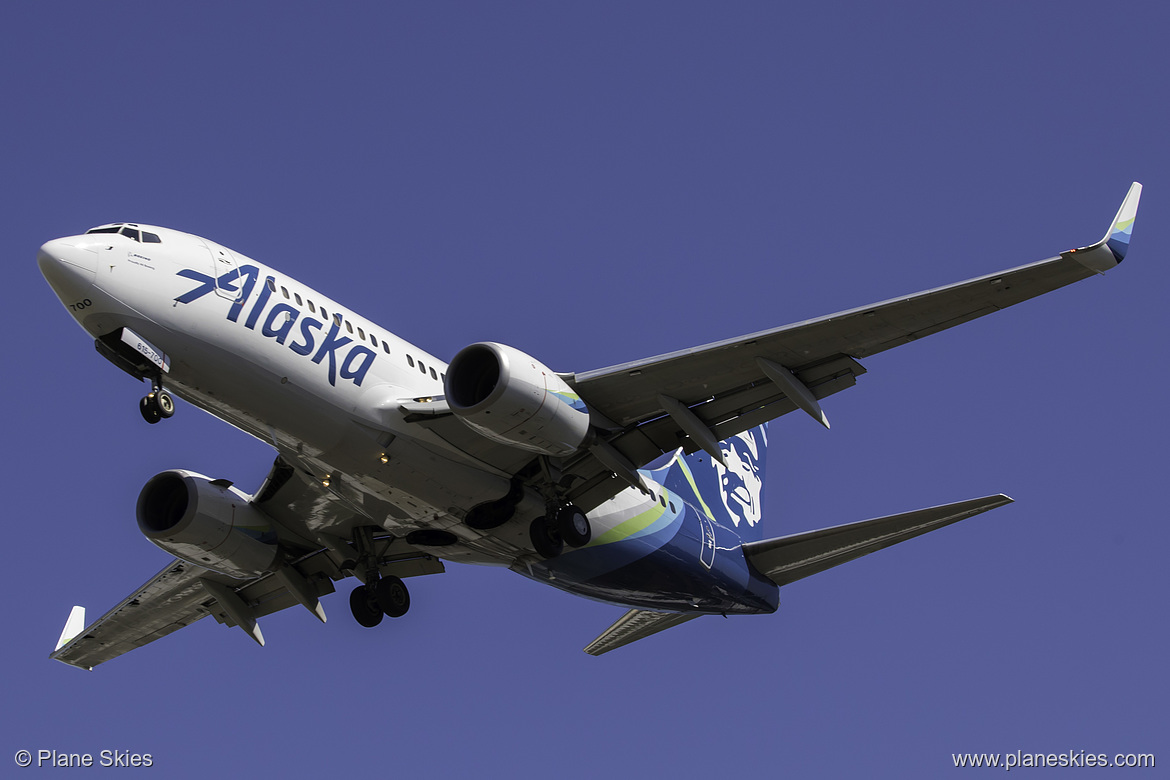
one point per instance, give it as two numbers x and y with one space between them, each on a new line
741 483
280 321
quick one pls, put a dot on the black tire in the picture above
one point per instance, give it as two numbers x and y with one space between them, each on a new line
149 410
574 526
546 539
364 611
392 596
165 404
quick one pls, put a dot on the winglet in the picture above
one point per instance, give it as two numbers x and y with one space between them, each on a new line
73 626
1117 239
1111 249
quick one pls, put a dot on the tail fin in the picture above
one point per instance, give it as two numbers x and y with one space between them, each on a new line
733 493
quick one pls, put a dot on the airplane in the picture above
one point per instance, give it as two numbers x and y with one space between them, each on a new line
639 485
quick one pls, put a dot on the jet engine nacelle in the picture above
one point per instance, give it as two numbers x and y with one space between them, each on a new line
510 397
206 523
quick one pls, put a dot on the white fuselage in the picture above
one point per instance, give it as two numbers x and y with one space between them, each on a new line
290 366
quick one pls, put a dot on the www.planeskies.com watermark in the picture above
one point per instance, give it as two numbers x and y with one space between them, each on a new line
1070 758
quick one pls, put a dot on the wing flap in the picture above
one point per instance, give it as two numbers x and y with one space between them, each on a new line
787 559
634 625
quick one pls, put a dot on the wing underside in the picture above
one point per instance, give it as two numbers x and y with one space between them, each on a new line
724 388
183 593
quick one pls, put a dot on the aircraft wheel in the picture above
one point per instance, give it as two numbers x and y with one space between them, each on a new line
392 596
150 410
364 611
545 538
574 526
166 404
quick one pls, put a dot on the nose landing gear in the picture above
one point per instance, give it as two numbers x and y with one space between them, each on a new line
157 404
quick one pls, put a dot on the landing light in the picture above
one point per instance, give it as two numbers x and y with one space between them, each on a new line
384 458
325 482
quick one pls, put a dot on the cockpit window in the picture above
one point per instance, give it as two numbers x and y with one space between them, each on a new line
130 231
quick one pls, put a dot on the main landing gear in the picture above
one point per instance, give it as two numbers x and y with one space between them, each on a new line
564 524
377 596
385 596
157 404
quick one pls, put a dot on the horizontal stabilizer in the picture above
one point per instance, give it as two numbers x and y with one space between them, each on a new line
634 625
790 558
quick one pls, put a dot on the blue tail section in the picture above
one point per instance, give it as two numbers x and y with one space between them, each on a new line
732 494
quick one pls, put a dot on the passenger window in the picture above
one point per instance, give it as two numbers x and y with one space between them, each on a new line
284 290
373 340
662 500
385 347
298 297
361 334
349 326
433 374
312 308
337 319
410 361
150 238
271 284
421 367
672 509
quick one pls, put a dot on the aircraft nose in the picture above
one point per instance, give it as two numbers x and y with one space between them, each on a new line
77 260
69 268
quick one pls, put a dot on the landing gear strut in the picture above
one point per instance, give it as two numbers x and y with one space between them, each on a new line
157 404
378 596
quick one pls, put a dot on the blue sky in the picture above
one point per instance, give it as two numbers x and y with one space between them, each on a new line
595 183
